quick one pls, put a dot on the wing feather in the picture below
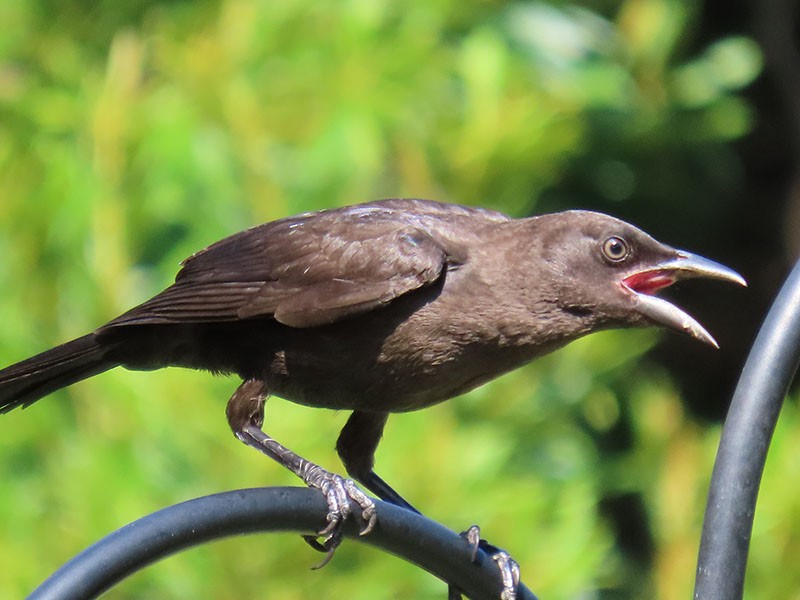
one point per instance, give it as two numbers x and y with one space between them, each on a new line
303 271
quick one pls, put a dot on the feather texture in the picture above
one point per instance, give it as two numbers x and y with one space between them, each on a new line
315 268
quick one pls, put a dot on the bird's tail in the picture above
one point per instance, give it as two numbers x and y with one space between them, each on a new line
25 382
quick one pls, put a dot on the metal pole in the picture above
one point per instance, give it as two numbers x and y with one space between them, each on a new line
748 429
413 537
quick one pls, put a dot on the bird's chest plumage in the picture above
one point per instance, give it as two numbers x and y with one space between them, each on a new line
420 350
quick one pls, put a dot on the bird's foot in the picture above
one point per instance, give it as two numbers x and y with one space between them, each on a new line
245 414
509 568
509 571
338 492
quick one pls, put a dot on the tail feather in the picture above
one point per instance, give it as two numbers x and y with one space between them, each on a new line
26 382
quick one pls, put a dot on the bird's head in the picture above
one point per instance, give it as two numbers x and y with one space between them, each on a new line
609 272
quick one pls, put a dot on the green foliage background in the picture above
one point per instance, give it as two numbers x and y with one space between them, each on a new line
133 134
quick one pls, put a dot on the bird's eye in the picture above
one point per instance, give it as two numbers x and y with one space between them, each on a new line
615 249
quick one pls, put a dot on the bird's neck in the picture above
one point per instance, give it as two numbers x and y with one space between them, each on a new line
518 296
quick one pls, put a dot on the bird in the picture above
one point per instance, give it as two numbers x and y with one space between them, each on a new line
379 308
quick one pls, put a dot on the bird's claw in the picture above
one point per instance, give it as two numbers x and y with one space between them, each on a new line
338 491
509 568
509 571
473 538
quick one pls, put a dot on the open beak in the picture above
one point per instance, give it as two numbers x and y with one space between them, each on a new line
645 283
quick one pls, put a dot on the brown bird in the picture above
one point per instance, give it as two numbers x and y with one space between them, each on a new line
383 307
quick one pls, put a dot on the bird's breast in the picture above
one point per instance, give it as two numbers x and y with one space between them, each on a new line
418 350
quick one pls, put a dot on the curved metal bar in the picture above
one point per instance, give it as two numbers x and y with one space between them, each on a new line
415 538
748 429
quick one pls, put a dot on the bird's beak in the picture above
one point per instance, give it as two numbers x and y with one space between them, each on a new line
683 265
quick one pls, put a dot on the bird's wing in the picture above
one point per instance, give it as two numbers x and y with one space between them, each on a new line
304 271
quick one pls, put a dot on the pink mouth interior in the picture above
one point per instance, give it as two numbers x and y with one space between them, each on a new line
649 282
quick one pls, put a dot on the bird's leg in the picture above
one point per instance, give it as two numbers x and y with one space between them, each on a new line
245 412
356 447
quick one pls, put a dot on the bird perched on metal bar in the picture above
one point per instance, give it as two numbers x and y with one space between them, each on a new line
378 308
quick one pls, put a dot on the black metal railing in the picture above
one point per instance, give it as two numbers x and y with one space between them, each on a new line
742 453
722 560
413 537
